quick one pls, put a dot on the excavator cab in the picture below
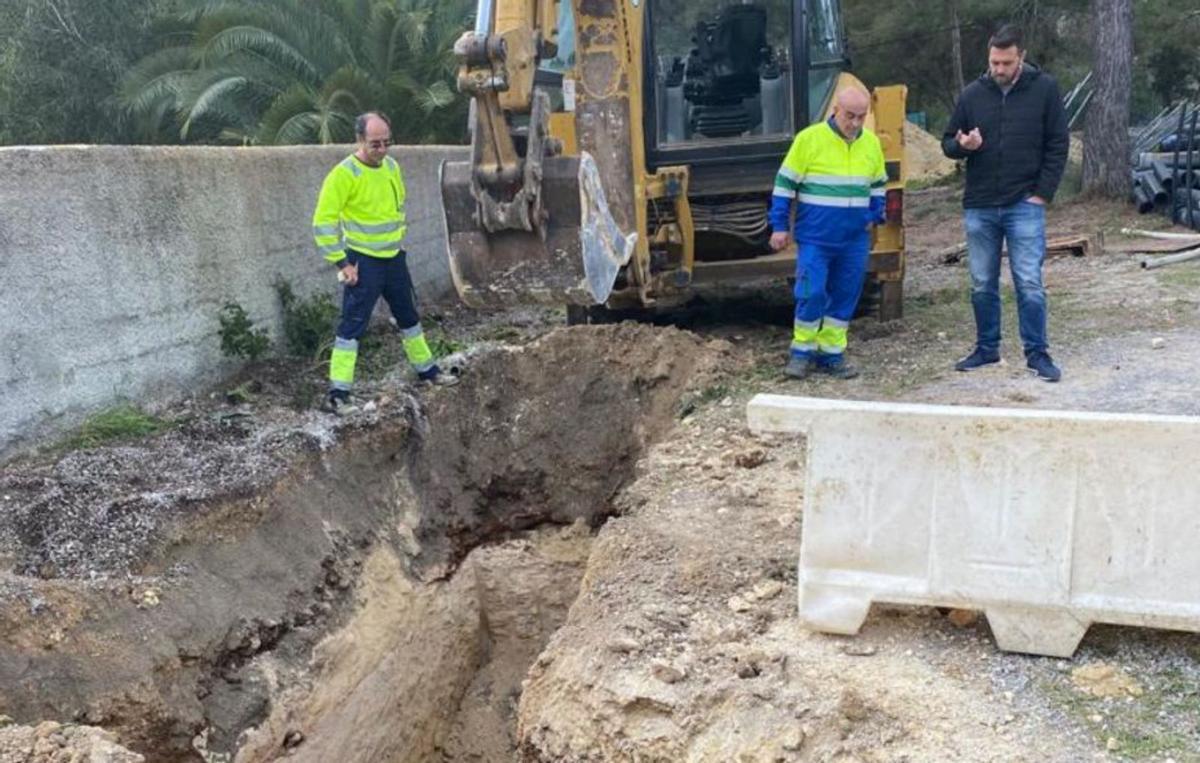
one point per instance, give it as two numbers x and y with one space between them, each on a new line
624 151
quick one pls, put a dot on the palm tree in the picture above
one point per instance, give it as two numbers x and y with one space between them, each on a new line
297 71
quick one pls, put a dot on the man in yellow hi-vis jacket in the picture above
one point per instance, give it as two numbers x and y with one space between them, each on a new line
359 225
835 174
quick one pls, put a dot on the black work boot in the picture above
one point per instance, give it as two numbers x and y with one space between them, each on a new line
336 402
439 378
838 370
798 368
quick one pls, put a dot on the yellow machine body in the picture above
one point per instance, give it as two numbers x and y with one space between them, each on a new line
624 174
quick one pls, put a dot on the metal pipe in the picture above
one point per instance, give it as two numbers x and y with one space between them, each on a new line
1175 162
1087 99
1142 198
1150 263
1162 234
1155 187
1148 137
1165 175
1191 206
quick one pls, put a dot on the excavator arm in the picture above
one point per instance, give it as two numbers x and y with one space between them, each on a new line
527 223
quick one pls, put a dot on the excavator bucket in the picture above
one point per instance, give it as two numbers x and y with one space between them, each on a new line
573 259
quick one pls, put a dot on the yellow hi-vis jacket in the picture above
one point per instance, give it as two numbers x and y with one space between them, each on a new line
838 187
360 207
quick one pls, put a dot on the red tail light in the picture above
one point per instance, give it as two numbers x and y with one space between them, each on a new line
894 206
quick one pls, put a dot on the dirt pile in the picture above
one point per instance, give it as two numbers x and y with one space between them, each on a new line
923 153
175 591
684 645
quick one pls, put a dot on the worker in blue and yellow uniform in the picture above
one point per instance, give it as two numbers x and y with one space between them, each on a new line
835 172
359 226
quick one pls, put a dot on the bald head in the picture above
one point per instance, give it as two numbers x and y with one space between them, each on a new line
854 98
850 110
374 134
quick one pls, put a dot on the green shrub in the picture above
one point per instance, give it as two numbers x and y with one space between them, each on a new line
309 323
441 344
239 338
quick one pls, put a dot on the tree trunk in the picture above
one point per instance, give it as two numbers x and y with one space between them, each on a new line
1106 168
956 46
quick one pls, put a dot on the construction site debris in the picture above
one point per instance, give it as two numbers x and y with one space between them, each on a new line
1166 165
1149 246
1074 245
1164 235
1150 263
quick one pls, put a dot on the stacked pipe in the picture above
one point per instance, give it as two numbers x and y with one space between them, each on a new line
1166 165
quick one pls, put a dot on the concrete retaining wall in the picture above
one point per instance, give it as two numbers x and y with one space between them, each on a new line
115 262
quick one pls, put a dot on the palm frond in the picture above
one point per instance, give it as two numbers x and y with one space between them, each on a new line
434 97
263 43
217 101
300 128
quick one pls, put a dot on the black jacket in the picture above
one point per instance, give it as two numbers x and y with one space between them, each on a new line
1025 139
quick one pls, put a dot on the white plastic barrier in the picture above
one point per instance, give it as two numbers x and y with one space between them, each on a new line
1046 520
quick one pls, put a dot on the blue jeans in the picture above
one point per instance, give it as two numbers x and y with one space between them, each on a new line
1023 227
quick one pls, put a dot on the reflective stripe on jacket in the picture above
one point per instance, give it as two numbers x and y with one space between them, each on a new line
838 187
360 207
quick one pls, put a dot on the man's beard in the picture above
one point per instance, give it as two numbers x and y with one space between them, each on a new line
1005 80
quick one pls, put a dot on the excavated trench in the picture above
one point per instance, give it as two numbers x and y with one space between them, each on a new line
370 590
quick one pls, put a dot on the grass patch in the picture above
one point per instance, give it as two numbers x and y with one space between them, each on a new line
713 393
500 333
1147 727
1185 275
121 423
692 402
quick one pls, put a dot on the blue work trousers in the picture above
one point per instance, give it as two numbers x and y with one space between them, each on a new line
377 277
829 281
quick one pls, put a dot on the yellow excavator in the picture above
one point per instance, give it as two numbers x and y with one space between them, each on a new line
624 151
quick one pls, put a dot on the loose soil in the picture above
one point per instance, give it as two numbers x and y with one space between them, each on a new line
580 553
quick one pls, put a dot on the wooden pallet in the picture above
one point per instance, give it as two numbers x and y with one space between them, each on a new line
1076 246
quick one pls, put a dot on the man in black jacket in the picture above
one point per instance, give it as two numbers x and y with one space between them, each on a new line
1011 128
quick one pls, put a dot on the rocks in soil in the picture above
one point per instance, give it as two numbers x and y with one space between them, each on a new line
859 649
1101 679
667 673
53 742
963 618
751 459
